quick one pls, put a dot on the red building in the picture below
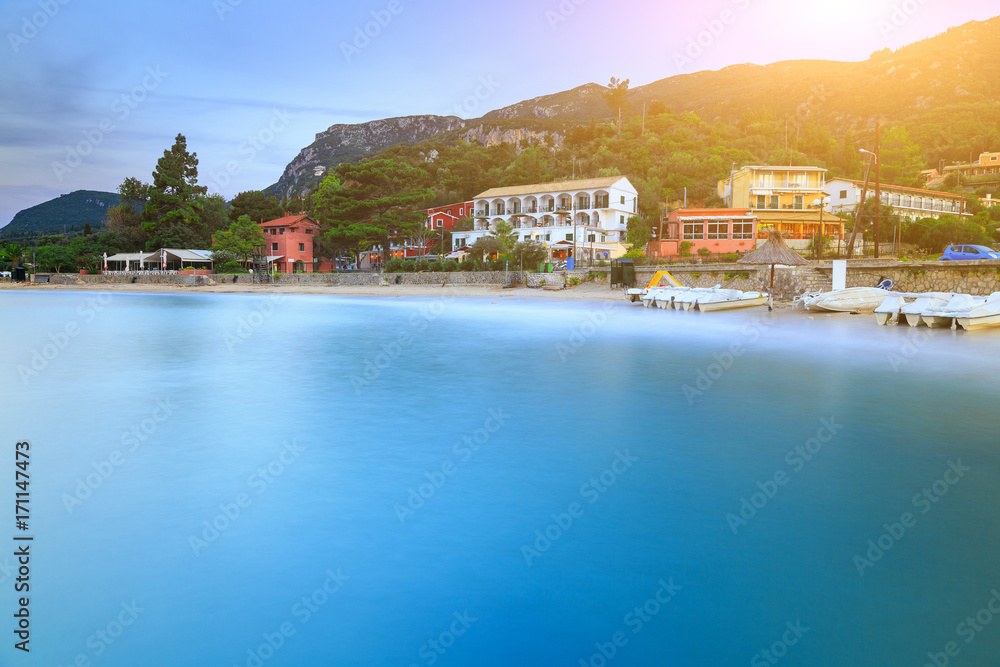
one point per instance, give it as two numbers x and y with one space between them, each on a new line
446 217
720 230
290 245
439 218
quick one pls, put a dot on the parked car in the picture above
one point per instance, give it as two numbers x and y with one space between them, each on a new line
966 252
4 274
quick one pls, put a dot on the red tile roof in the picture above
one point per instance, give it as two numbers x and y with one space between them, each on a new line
290 221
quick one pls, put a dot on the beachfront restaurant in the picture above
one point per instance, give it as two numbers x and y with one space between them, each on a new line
164 259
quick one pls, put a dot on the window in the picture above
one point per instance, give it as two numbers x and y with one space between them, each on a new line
993 158
569 237
621 219
694 230
843 194
281 230
548 237
623 199
761 201
772 202
591 238
718 230
601 201
310 231
798 202
302 247
440 223
742 230
274 247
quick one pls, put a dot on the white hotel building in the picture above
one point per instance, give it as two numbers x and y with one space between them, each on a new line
910 203
546 212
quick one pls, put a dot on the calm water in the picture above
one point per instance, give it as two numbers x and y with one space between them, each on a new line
376 471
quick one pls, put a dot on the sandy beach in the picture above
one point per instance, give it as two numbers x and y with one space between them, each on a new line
585 291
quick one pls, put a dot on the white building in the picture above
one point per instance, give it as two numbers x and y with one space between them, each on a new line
910 203
595 209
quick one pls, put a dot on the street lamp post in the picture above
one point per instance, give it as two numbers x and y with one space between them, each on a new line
819 240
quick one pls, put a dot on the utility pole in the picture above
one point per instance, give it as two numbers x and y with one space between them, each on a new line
878 183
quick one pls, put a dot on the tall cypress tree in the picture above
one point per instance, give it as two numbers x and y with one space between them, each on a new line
173 216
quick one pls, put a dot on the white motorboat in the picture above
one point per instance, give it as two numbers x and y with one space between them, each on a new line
888 311
739 300
850 300
981 316
938 317
687 299
910 313
664 300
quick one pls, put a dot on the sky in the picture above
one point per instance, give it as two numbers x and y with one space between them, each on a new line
93 92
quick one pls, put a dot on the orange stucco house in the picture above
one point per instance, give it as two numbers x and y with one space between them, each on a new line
290 244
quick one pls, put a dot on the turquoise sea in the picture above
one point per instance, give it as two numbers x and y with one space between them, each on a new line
311 480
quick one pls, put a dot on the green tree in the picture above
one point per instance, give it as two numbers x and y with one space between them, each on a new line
11 253
53 257
215 214
175 206
616 95
257 204
531 166
376 205
505 234
900 157
638 232
528 253
126 220
240 238
936 235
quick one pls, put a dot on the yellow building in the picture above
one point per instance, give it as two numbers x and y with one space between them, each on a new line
988 163
782 197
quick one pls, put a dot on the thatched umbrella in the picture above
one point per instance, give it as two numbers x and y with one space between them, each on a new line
776 251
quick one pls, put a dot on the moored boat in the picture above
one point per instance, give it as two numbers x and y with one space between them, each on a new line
850 300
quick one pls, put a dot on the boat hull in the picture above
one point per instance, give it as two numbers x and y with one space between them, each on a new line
729 305
974 323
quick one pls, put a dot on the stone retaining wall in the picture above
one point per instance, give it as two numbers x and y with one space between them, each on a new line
975 277
979 277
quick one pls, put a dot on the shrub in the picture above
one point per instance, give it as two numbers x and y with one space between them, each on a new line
397 265
636 255
704 252
686 247
232 267
574 281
